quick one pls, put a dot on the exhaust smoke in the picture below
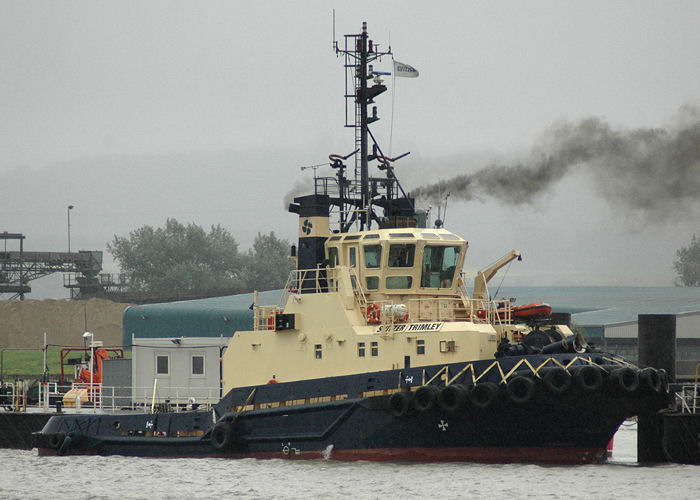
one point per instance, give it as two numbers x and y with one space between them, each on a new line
654 171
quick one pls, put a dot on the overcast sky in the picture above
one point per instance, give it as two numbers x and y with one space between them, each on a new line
138 111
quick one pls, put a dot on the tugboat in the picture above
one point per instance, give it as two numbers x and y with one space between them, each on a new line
378 352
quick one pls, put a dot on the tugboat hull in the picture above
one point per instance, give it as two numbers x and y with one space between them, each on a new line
519 422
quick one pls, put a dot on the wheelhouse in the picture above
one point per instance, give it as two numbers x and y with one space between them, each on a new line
400 261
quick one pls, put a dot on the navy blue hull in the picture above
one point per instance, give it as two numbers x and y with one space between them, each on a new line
535 423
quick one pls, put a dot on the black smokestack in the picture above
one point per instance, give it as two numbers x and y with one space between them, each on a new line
656 171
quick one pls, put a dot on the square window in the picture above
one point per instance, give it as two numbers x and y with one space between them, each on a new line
420 346
162 365
447 346
372 282
374 348
198 365
318 351
361 349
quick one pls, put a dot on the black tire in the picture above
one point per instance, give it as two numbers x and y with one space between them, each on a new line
484 395
650 380
56 440
452 397
588 379
663 376
425 398
65 446
520 389
625 379
221 436
400 404
557 380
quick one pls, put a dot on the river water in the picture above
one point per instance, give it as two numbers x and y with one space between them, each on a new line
25 475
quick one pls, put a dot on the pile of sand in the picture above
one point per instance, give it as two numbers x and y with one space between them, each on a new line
23 323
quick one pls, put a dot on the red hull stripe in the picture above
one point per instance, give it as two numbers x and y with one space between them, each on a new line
487 455
493 455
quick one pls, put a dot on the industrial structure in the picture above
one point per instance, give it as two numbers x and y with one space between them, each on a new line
81 270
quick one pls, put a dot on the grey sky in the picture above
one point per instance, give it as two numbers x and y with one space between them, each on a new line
136 111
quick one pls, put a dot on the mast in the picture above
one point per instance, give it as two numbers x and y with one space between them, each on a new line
362 200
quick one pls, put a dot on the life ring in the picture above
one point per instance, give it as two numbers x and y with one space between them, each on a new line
588 378
56 440
400 403
221 436
520 389
484 395
556 380
452 397
425 397
373 313
625 379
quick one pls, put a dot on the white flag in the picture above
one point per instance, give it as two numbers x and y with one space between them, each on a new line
401 69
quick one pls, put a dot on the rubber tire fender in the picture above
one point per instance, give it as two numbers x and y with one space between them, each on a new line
425 398
221 436
56 440
400 403
520 389
65 445
453 397
557 380
484 395
625 379
650 379
588 378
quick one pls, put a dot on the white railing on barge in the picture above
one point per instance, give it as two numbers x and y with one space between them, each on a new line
104 399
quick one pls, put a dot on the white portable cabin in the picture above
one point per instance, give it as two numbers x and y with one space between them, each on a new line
177 370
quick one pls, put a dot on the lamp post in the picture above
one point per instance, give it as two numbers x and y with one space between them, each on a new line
70 207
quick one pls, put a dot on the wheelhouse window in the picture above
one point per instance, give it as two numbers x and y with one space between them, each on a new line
332 256
361 349
373 256
198 364
399 282
372 282
401 255
162 364
352 256
439 266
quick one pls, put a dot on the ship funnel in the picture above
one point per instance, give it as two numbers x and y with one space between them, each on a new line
313 213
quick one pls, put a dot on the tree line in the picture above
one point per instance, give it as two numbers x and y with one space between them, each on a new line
186 258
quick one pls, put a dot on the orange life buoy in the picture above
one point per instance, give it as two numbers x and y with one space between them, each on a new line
373 313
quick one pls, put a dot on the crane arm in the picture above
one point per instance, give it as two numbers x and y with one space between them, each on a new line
485 275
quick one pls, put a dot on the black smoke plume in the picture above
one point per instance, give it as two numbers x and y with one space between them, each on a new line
654 171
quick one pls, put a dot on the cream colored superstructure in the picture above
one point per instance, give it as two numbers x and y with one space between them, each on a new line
388 299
